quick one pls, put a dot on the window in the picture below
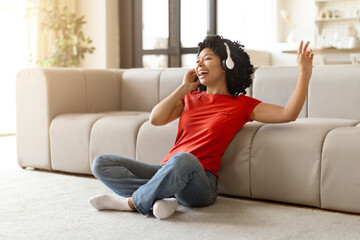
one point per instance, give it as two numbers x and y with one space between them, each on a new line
165 33
170 32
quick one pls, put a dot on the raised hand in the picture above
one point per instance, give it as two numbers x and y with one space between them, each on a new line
305 58
189 80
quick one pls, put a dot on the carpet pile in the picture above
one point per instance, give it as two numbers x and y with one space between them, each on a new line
44 205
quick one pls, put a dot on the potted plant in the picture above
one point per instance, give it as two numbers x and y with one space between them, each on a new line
70 45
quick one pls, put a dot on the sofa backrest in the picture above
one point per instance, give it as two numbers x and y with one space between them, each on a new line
275 85
142 89
334 92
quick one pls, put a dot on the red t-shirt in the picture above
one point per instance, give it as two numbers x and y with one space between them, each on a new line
207 125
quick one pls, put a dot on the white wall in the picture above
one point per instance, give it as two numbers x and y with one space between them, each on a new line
259 26
102 27
302 15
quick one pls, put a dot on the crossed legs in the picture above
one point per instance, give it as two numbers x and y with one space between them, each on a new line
143 186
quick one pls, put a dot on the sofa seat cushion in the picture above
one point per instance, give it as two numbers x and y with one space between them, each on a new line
155 142
69 141
116 134
340 182
286 160
70 137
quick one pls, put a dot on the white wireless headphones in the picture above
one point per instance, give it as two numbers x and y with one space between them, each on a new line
228 64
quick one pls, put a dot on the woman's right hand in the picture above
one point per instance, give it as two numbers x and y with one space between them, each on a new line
171 107
189 80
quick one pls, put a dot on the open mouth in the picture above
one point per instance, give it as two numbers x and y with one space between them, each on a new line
203 73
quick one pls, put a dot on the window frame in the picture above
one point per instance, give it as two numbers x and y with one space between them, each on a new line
132 51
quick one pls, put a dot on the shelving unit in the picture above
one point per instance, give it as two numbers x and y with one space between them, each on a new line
339 19
337 16
336 22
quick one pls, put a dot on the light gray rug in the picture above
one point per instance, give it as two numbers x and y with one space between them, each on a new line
43 205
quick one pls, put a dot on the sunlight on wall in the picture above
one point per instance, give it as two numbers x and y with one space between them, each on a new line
250 22
13 57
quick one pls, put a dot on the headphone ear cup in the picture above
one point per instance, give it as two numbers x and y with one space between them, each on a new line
223 63
228 63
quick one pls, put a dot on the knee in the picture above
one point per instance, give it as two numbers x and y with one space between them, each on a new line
96 166
186 161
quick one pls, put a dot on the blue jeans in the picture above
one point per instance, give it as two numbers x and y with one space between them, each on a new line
182 176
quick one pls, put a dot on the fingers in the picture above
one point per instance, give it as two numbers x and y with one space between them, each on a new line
311 54
300 47
303 50
190 76
192 71
306 46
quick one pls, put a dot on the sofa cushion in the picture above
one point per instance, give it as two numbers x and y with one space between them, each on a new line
286 160
170 79
116 134
340 182
234 173
334 92
275 85
140 89
155 142
103 89
70 140
41 95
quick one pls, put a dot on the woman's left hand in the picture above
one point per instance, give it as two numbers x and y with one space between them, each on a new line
305 58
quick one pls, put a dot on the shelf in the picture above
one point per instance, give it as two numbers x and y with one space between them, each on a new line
324 20
329 50
332 1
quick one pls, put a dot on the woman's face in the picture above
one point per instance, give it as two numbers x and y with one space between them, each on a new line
209 69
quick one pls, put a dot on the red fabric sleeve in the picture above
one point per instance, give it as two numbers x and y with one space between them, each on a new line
252 103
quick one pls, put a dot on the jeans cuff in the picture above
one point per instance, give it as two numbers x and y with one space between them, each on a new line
138 207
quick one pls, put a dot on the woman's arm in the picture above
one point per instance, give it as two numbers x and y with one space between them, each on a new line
270 113
171 107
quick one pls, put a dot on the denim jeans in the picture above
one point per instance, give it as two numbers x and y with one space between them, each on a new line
182 176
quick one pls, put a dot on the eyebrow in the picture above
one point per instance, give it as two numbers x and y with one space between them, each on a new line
205 55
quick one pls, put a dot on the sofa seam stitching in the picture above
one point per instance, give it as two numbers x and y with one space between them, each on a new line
250 155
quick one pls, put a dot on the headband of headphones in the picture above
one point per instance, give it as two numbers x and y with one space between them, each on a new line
228 64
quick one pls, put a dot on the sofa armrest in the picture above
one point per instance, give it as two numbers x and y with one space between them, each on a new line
44 93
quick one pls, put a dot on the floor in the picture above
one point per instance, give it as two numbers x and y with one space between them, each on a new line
8 152
33 209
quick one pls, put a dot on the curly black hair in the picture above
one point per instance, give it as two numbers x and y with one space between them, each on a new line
240 77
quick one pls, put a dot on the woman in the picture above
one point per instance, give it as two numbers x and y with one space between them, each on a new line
212 107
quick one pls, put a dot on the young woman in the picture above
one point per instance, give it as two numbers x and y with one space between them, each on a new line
212 107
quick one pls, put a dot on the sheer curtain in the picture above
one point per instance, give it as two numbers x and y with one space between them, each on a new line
39 42
20 39
14 55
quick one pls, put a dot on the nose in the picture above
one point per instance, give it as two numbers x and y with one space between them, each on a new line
199 63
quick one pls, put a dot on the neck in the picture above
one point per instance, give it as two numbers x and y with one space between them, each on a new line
218 87
219 91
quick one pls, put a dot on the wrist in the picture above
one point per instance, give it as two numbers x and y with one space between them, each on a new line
185 88
306 73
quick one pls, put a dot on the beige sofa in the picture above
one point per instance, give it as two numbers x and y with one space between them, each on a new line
67 117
